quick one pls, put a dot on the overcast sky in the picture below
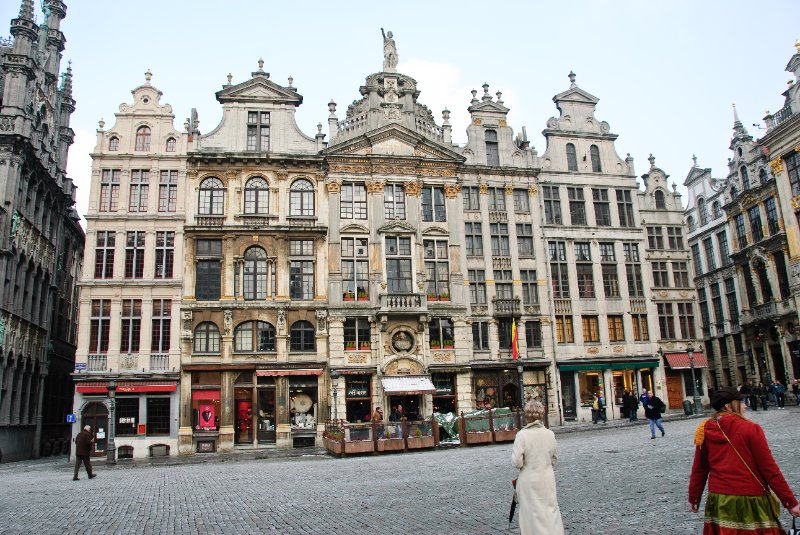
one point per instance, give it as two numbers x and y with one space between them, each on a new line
666 73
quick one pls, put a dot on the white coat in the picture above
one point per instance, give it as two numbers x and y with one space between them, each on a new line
534 454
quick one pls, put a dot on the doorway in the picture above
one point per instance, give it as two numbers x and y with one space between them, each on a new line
96 415
674 391
410 403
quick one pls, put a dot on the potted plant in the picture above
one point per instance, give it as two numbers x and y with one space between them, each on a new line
432 296
350 345
420 440
449 344
444 296
362 295
349 296
364 346
436 344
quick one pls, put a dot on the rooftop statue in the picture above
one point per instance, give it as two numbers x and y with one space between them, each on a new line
389 52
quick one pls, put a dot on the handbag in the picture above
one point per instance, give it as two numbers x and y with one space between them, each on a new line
794 530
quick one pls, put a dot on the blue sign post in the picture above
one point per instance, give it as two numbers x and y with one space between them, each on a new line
71 418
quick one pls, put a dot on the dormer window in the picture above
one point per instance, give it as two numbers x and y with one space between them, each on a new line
258 131
572 158
492 150
113 144
171 144
661 203
595 154
143 138
745 177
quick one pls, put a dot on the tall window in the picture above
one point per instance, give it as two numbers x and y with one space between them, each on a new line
530 290
165 254
499 232
394 202
660 275
477 286
625 208
793 170
640 330
708 246
492 150
171 144
161 326
591 332
301 269
675 238
353 202
572 158
480 335
577 206
666 321
143 138
356 334
602 211
533 334
302 337
113 144
140 185
473 235
398 264
552 205
471 198
584 271
730 296
256 336
440 333
255 274
686 320
772 215
705 317
433 208
633 270
437 271
697 259
131 325
109 190
134 255
212 197
497 199
595 155
702 209
301 198
616 333
754 215
104 255
503 288
258 131
690 223
208 270
680 274
525 240
168 191
716 300
256 196
206 338
745 177
559 269
100 326
522 204
608 259
741 232
716 210
655 237
661 203
355 268
564 332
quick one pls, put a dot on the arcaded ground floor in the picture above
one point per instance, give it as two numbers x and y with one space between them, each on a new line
611 479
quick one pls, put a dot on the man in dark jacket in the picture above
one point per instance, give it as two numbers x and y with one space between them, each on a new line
83 449
652 411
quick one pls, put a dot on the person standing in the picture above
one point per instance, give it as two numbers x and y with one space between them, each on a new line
732 455
763 392
595 407
753 395
601 407
83 449
796 391
534 454
626 403
633 407
780 394
652 410
745 391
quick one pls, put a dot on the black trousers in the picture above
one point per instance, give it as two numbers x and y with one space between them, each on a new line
85 460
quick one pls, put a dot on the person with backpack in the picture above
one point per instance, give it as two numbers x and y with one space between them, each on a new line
652 411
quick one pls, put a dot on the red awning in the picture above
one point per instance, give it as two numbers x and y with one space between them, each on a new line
280 373
680 361
125 387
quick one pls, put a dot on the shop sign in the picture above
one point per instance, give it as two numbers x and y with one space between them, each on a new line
80 366
358 392
444 390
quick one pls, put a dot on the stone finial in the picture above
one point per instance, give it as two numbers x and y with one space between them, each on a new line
571 77
26 10
147 76
499 95
445 116
474 96
260 64
186 125
66 81
652 160
674 187
797 46
101 123
486 95
230 78
290 81
319 128
694 160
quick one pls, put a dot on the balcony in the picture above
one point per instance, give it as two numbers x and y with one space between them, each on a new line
562 306
209 220
301 222
256 220
501 262
506 307
768 311
400 302
638 306
159 363
496 216
96 363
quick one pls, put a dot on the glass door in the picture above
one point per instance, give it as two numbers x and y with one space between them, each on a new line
96 415
568 395
266 414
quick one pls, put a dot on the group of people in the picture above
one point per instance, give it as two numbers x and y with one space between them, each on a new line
745 486
761 394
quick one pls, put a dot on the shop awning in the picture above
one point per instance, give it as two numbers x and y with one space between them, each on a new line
634 365
407 384
582 367
680 361
281 373
125 387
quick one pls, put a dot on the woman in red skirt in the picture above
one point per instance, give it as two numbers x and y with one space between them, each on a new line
733 455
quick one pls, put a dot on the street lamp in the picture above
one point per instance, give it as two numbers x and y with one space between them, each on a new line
698 405
334 380
521 392
111 448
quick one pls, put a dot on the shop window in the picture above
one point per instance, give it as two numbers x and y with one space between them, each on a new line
358 393
589 383
486 391
127 415
444 399
205 401
302 337
266 409
303 402
158 416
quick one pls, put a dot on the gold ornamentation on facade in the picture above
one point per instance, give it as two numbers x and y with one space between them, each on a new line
484 189
619 349
796 202
476 121
532 190
282 175
334 186
230 175
593 350
443 357
503 122
375 186
357 358
413 187
191 174
452 190
509 189
776 165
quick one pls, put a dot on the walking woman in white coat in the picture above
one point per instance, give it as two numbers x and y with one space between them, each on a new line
535 455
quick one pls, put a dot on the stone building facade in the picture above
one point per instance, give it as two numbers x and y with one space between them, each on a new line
40 241
131 286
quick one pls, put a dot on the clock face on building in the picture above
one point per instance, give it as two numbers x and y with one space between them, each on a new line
402 341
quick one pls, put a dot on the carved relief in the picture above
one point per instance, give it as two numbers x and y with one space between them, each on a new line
334 186
509 189
322 321
484 189
228 322
282 175
375 186
127 362
187 324
593 350
776 165
619 349
413 187
452 190
357 358
443 357
532 190
476 121
402 341
796 202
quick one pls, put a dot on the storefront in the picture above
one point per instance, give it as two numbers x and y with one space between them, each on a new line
408 392
679 377
499 387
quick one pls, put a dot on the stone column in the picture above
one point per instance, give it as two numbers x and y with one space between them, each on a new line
226 407
283 428
185 446
37 434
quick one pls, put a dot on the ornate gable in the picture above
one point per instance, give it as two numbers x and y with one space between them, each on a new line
394 140
259 89
396 227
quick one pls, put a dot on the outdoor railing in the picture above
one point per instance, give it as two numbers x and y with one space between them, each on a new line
96 363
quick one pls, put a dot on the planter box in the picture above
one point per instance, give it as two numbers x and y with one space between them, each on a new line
415 443
391 444
359 446
333 446
481 437
505 436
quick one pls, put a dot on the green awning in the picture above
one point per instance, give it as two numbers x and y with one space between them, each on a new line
634 365
582 367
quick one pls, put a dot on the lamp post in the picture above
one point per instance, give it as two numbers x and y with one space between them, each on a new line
521 388
698 405
334 381
111 448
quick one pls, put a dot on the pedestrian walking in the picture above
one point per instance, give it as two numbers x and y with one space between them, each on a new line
796 391
780 394
763 391
534 453
83 449
643 397
652 410
601 407
753 396
732 454
595 407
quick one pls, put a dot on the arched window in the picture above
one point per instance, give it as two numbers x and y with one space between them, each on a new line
256 196
492 150
690 223
302 337
113 144
595 154
206 338
171 144
661 203
254 336
255 273
734 193
703 211
301 198
212 197
716 209
143 138
745 177
572 158
763 176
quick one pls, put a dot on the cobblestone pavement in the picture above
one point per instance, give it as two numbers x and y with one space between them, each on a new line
613 480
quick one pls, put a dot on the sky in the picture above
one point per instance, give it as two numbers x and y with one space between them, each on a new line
666 72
